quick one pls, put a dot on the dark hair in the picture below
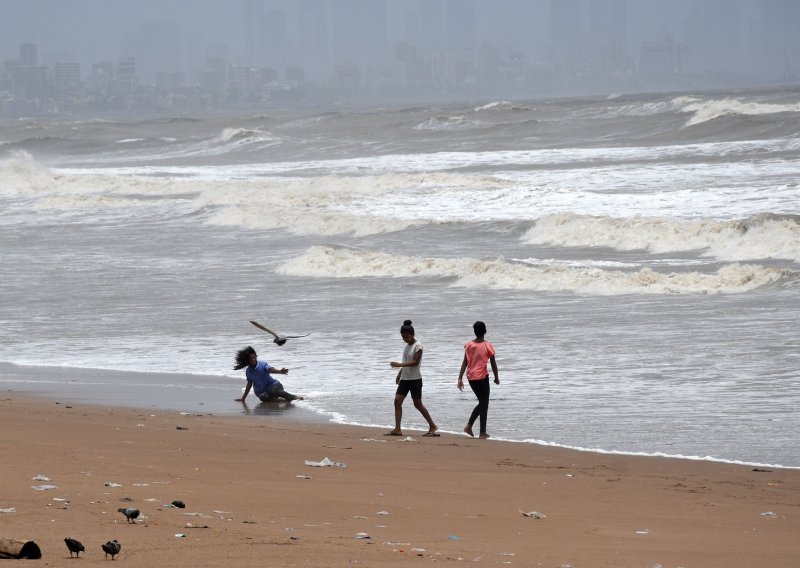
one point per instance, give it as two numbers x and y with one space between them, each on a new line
243 358
407 327
479 328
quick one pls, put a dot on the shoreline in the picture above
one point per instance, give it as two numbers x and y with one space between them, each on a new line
91 387
249 496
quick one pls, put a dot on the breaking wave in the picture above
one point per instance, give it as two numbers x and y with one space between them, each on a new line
502 274
761 236
446 123
706 110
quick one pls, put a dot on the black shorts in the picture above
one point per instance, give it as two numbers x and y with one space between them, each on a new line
414 387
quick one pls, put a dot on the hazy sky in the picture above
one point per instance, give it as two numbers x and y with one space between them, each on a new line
176 34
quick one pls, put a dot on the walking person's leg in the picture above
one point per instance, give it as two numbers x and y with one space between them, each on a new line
481 389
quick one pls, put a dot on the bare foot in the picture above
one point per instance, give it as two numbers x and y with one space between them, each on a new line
484 436
394 433
298 398
468 430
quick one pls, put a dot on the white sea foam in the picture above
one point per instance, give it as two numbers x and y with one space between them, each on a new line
499 274
758 237
706 110
445 122
501 106
331 205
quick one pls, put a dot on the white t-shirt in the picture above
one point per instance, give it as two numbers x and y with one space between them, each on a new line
411 373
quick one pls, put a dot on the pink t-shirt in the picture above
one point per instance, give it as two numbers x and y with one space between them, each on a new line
478 355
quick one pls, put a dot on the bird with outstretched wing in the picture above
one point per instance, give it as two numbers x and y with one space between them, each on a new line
279 339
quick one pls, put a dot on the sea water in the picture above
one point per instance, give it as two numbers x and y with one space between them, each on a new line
636 260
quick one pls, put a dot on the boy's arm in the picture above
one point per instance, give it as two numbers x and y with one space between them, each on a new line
494 370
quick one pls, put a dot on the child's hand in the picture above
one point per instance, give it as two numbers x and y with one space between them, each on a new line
497 380
460 385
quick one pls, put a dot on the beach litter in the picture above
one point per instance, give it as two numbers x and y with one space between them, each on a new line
8 510
43 487
112 484
362 535
326 462
303 476
19 548
770 515
180 535
453 537
40 477
533 514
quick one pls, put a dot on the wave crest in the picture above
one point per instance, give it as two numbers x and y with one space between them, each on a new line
501 274
761 236
706 110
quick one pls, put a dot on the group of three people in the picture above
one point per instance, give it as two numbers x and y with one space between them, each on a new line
478 353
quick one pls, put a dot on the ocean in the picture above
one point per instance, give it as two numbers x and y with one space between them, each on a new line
636 260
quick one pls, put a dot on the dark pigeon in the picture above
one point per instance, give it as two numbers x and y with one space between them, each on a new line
74 546
130 513
112 547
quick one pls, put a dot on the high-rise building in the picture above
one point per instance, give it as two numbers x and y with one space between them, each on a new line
713 36
607 36
313 44
253 18
67 74
359 32
274 40
28 54
566 36
460 25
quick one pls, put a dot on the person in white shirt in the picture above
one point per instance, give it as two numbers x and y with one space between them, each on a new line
409 380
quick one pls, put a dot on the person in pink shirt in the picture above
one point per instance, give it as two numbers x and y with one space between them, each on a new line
477 353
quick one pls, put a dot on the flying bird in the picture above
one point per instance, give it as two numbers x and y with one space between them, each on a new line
74 546
130 513
112 547
279 339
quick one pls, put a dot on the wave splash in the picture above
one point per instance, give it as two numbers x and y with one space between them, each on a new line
533 275
761 236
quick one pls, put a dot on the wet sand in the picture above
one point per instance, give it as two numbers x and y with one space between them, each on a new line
252 501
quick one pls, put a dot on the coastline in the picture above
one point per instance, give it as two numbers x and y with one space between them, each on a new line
445 499
215 394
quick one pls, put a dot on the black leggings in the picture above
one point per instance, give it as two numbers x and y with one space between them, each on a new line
481 389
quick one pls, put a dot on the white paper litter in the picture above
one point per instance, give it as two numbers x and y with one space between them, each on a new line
40 477
9 510
534 514
326 462
43 487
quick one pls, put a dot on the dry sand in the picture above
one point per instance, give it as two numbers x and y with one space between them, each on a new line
251 500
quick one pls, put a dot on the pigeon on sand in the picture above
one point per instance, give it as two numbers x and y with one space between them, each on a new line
74 546
130 513
112 547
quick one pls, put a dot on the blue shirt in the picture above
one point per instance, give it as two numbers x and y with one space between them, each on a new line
260 377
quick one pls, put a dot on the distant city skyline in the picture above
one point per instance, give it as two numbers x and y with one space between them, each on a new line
527 47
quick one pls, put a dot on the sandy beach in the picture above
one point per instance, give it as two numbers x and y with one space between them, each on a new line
251 500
